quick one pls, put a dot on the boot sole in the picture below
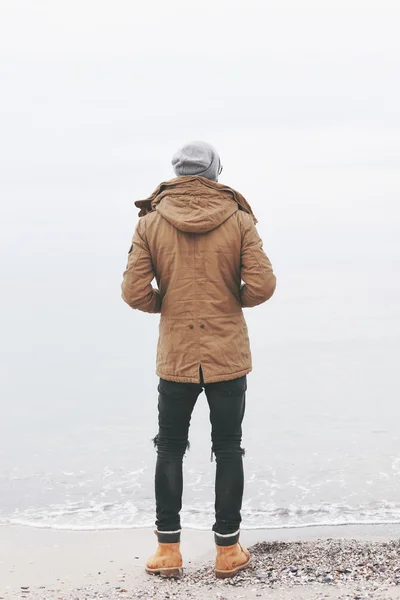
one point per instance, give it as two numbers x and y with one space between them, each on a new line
176 572
232 572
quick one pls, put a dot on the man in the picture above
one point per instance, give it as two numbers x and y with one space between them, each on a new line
198 239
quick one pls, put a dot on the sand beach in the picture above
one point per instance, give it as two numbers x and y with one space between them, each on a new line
338 562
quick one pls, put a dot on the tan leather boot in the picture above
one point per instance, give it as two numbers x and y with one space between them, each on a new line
167 561
230 560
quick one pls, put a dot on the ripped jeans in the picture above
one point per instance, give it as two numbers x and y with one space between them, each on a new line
176 402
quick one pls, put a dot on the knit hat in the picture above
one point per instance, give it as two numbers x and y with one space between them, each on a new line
197 158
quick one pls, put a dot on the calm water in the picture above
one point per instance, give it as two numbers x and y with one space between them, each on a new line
321 434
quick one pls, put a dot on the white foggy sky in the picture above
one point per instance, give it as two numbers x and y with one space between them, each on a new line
301 99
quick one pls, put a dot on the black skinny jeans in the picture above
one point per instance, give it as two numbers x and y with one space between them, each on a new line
176 401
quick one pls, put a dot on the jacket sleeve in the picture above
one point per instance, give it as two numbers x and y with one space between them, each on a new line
137 290
256 269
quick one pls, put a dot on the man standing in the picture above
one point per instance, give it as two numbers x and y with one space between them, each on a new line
198 239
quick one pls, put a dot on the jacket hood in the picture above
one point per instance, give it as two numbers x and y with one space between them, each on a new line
194 204
195 209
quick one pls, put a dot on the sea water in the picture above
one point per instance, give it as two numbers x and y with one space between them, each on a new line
321 435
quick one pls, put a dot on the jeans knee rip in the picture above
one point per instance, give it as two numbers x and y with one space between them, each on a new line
155 441
241 450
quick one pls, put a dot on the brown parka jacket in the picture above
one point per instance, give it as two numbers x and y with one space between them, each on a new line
199 241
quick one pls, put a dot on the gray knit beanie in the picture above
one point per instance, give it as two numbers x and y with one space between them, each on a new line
197 158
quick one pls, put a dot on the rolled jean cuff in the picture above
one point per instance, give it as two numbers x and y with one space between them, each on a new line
226 539
169 537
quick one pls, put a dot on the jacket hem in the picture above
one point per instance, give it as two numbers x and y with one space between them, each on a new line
211 379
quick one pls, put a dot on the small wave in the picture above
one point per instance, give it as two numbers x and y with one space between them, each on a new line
70 527
80 516
194 527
